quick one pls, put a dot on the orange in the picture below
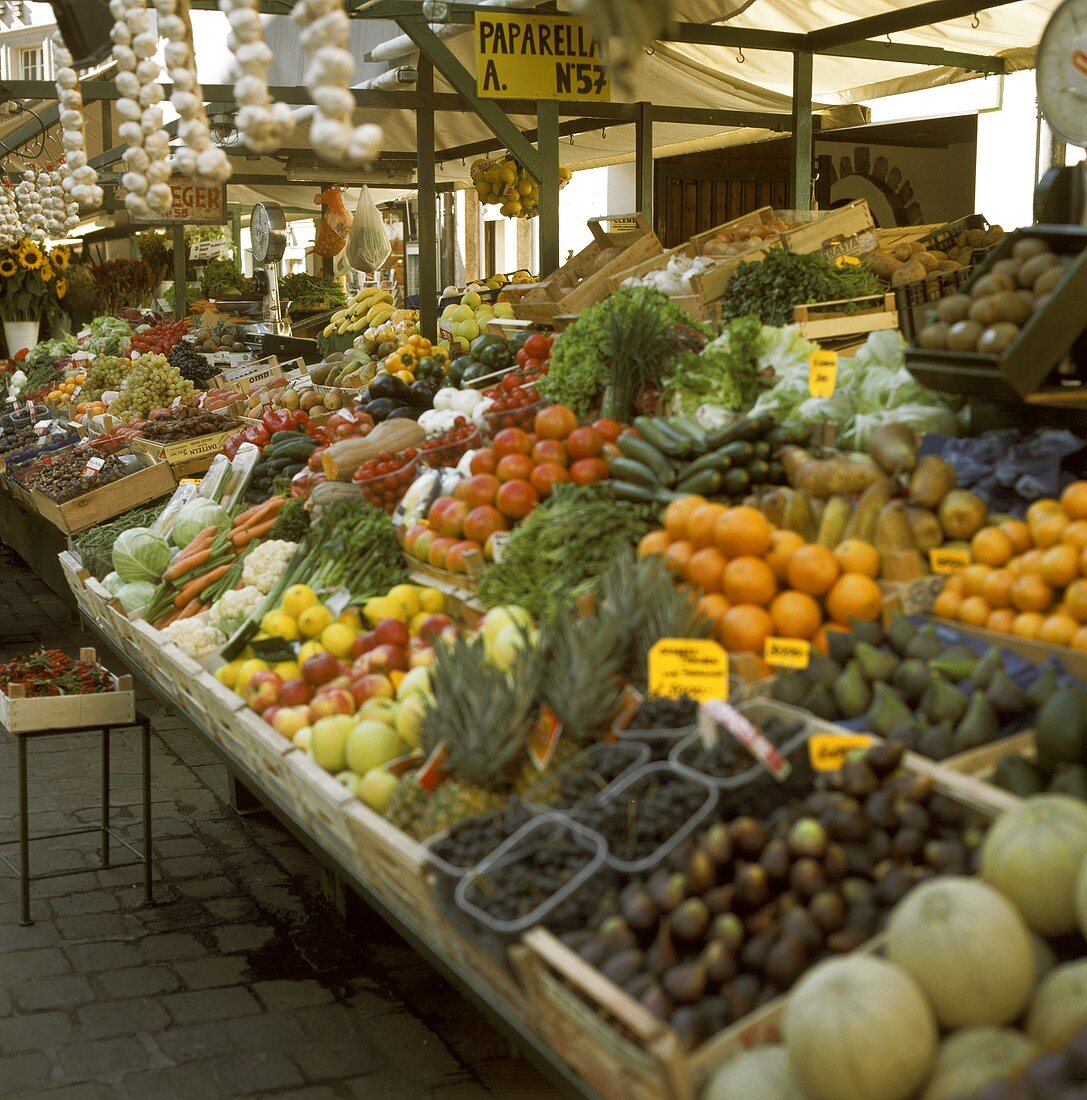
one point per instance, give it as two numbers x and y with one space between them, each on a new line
1042 508
820 638
655 542
1028 624
677 555
1075 534
1019 533
700 523
973 577
953 584
854 596
1058 629
991 546
745 628
858 556
997 588
783 544
675 515
974 611
814 570
1048 529
1059 565
1030 562
1083 562
1074 500
1079 639
704 568
1031 593
742 530
947 604
713 608
1002 620
796 615
1075 599
749 580
1015 566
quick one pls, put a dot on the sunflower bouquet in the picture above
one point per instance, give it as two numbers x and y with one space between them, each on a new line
32 281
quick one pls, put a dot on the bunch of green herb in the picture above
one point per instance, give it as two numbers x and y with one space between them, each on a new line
95 545
561 550
724 374
307 292
222 279
354 546
769 290
615 348
292 523
154 249
109 336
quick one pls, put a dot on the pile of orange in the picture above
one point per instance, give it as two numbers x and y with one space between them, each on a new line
758 581
1028 578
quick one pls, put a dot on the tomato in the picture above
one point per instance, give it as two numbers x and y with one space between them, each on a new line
537 346
546 476
531 365
511 441
521 356
584 443
515 499
609 429
555 422
587 470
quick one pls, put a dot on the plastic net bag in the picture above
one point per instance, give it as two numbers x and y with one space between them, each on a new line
368 246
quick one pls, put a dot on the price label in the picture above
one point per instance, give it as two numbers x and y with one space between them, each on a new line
176 401
714 713
337 602
499 541
42 427
545 738
948 560
30 408
787 652
629 702
822 373
696 667
93 466
829 751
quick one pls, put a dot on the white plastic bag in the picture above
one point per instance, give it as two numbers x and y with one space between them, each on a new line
368 245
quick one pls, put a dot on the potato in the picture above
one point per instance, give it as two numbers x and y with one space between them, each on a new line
1049 278
928 260
954 308
994 340
949 265
909 272
1034 267
964 335
1027 247
882 264
934 335
975 238
906 249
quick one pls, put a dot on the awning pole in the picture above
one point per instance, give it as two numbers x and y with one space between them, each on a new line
547 125
800 176
643 159
181 299
427 228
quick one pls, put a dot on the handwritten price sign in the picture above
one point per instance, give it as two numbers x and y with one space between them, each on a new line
822 373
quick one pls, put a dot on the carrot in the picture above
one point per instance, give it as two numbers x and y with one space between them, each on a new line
247 534
258 513
165 620
180 567
202 538
195 587
193 607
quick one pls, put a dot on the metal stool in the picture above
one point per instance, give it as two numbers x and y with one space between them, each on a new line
23 840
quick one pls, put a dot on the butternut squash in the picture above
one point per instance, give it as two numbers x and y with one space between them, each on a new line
345 456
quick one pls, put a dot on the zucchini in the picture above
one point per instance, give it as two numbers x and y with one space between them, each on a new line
639 494
664 438
747 429
688 427
630 469
294 450
700 482
641 450
286 436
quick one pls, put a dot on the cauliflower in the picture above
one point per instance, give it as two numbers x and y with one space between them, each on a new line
264 566
195 637
234 607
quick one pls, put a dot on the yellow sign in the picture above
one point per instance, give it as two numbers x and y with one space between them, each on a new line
822 373
787 652
948 560
538 57
828 751
688 666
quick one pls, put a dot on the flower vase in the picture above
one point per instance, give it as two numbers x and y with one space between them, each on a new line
19 335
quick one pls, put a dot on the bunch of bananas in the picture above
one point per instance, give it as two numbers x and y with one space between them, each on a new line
506 184
367 309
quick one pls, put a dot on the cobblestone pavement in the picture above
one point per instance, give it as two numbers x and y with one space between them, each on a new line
240 981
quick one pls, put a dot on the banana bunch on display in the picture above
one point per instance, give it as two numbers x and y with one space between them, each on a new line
367 309
505 183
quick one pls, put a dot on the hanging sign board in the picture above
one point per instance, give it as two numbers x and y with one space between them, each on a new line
191 205
538 57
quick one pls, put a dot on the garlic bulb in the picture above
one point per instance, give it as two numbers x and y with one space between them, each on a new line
211 165
89 194
263 125
29 204
328 74
10 225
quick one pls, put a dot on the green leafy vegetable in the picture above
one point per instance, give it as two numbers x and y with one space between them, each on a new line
308 292
725 374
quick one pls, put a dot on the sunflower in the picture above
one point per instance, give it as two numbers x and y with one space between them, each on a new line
8 267
62 287
46 272
60 257
30 255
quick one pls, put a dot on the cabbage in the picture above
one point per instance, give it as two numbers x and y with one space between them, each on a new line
111 582
140 555
136 595
194 517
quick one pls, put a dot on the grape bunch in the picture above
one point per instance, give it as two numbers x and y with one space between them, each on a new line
152 383
105 372
192 365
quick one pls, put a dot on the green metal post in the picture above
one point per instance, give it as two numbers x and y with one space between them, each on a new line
547 128
643 160
428 252
181 304
800 176
236 230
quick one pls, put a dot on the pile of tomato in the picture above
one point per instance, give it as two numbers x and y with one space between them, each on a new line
448 448
159 338
385 478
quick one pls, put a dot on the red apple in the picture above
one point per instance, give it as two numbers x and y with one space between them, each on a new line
363 644
269 713
290 720
483 521
437 510
341 681
412 534
514 466
454 560
331 701
584 443
511 441
262 691
369 686
480 489
361 665
420 547
320 668
422 658
483 461
432 627
452 519
549 450
387 658
516 498
438 550
295 693
546 476
391 632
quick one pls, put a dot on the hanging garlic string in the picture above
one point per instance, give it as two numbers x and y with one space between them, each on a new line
77 178
28 199
10 226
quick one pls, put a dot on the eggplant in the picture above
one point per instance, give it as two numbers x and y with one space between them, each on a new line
385 385
405 412
421 395
382 407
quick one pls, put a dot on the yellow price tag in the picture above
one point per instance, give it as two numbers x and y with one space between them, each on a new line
847 261
828 751
948 560
822 373
696 667
189 481
787 652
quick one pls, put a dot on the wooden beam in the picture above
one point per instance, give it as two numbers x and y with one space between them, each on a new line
900 19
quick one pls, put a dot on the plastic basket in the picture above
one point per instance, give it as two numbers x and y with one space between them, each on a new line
387 490
547 793
449 454
522 417
914 299
942 239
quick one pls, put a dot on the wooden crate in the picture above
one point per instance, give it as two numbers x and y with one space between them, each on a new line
321 802
1073 660
262 751
188 456
90 509
22 714
826 322
102 605
914 597
618 1047
823 230
979 762
188 680
583 279
76 576
888 239
150 647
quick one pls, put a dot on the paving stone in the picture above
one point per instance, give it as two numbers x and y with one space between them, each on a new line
170 947
136 981
23 1072
59 991
15 937
21 966
107 1019
94 901
214 886
325 1061
249 1073
107 955
243 937
284 995
232 909
87 1090
103 1056
213 971
175 1083
33 1032
93 926
395 1032
268 1031
196 1042
5 1002
313 1092
210 1004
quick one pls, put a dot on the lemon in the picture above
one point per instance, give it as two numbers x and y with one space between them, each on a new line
351 618
417 621
280 625
308 650
246 670
431 600
313 620
381 607
406 597
338 639
287 670
296 599
227 675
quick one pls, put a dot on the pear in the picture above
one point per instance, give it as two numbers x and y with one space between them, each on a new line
1045 686
822 670
936 741
925 644
1005 696
866 631
957 662
901 633
820 702
840 645
979 724
908 734
790 686
887 711
911 678
943 703
877 664
851 691
984 669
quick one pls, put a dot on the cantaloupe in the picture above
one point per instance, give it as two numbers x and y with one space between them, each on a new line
1059 1007
761 1074
1081 898
971 1058
859 1028
967 947
1032 855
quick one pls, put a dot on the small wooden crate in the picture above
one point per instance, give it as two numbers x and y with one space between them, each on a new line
1073 660
188 456
321 802
150 647
822 230
979 763
21 714
223 708
187 679
842 320
90 509
263 751
461 585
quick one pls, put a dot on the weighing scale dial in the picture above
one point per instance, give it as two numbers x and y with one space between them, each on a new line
1062 72
268 229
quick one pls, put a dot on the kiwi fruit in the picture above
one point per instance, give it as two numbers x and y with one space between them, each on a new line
934 335
1049 278
964 335
994 283
1034 267
995 339
953 309
1008 306
1023 249
982 310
